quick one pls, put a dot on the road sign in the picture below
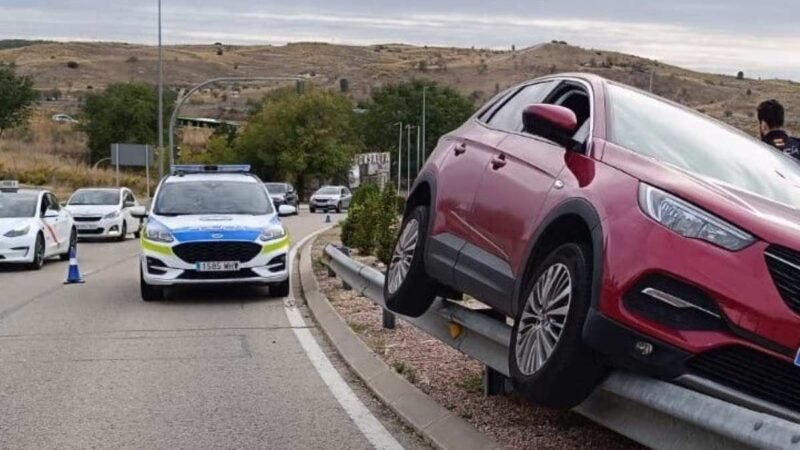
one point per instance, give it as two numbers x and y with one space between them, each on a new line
374 167
132 155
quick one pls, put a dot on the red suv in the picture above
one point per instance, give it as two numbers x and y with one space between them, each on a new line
617 229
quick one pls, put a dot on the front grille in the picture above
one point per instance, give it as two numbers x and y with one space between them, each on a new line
217 251
784 266
751 372
93 231
195 275
87 218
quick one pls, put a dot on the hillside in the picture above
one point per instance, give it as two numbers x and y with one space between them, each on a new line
475 72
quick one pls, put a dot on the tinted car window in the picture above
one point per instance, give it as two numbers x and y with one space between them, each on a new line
212 197
17 205
509 116
54 205
95 197
276 188
701 145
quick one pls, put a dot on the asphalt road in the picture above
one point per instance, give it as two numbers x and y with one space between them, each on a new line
93 366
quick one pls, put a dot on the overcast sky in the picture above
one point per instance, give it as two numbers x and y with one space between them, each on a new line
761 37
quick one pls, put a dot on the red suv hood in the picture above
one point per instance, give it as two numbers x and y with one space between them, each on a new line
766 219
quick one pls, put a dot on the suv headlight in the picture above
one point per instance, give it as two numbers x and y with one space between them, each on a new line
690 221
17 232
157 233
111 215
272 232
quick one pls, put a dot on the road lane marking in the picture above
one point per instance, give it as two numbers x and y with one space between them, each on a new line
370 427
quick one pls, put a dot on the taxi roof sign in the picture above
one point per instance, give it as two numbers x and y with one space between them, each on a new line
9 185
182 169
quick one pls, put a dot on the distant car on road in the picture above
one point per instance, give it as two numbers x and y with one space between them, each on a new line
329 198
33 226
213 225
104 212
64 118
283 194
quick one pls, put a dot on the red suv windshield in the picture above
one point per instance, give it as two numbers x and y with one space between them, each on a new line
700 145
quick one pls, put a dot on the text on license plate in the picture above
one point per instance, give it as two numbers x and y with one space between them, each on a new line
217 266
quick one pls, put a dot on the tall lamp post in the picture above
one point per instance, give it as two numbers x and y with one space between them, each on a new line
424 112
399 156
419 164
160 102
408 158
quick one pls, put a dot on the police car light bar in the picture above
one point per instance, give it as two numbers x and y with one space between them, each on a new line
210 168
9 185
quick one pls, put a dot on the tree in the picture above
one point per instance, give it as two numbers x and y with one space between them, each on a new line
124 112
299 136
16 98
740 75
446 110
344 85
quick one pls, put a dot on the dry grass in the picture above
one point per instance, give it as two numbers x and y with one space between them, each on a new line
46 153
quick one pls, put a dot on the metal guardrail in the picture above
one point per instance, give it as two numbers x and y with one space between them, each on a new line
655 413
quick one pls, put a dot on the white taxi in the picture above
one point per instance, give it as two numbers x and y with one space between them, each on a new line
33 226
104 212
210 225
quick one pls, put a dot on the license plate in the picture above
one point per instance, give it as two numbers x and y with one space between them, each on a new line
85 227
217 266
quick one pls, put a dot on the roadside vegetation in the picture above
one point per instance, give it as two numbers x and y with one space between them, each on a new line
372 222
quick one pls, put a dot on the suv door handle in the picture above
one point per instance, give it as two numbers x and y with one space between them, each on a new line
498 161
459 149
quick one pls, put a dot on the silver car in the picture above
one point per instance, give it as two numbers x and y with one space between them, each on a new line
330 198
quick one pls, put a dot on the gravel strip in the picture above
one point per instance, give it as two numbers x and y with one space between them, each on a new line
454 380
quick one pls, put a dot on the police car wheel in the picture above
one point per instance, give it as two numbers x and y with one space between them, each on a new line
150 293
279 289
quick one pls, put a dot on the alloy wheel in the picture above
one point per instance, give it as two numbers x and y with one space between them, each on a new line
403 255
543 318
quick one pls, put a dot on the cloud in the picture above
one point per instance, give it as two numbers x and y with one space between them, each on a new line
714 35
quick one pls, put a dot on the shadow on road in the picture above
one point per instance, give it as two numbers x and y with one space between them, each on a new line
210 294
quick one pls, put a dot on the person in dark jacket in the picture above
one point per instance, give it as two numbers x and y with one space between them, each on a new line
770 122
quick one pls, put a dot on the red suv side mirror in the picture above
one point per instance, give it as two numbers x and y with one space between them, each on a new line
552 122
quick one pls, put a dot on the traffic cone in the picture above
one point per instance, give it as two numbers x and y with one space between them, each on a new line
73 274
328 218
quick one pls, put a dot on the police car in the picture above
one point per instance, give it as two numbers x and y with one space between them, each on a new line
212 224
33 226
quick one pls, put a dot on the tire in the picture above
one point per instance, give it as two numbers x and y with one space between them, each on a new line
38 254
279 289
408 289
311 210
73 245
339 208
569 372
138 233
123 235
149 292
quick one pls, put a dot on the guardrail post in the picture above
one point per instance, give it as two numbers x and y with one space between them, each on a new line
346 251
388 320
495 383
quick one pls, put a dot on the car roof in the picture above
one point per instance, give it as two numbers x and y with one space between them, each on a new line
26 191
100 189
189 177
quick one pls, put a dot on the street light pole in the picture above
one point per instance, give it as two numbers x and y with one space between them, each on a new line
161 102
408 158
399 156
418 149
424 111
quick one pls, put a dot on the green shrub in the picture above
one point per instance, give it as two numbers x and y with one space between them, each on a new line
366 213
387 224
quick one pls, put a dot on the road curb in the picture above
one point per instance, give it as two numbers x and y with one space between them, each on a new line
432 421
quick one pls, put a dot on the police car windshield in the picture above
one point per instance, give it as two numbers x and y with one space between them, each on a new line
17 205
328 191
95 197
276 188
212 197
700 145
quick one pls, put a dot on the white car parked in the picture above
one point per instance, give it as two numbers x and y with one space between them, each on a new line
33 226
104 213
